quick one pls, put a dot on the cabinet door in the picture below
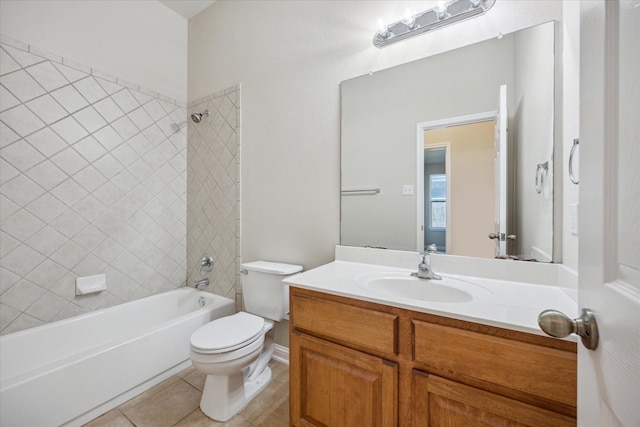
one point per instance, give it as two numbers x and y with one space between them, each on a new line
444 403
335 386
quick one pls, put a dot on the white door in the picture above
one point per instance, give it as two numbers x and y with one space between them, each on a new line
609 212
500 181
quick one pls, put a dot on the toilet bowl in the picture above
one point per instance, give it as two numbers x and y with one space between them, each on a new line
234 351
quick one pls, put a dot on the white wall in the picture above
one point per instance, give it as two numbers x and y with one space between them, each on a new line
143 42
571 123
290 58
534 131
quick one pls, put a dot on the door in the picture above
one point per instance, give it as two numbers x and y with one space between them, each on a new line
609 211
500 171
470 137
340 387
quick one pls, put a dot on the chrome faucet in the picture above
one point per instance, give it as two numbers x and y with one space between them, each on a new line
425 271
199 283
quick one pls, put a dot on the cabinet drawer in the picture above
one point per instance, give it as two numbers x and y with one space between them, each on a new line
533 369
360 327
440 402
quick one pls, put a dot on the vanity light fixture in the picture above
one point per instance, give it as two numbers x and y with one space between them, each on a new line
445 13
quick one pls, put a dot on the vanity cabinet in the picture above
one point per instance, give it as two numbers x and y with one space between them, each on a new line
355 363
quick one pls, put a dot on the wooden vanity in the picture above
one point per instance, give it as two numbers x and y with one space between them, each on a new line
363 364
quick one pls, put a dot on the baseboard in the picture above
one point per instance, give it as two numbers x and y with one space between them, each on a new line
281 354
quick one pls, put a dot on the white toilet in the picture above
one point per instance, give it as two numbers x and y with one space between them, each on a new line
232 350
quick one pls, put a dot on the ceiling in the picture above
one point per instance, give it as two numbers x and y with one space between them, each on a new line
187 8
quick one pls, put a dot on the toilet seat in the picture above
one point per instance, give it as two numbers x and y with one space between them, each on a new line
227 333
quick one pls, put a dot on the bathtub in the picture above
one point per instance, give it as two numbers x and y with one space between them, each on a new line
71 371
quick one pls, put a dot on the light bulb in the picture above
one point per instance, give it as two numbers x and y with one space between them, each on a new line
408 19
441 9
383 29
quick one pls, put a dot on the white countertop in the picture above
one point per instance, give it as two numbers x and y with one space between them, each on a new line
506 304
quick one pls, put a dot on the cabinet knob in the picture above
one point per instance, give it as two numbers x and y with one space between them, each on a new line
560 325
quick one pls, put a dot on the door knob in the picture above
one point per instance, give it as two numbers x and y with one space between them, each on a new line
502 236
560 325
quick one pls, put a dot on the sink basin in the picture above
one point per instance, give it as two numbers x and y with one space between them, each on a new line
447 290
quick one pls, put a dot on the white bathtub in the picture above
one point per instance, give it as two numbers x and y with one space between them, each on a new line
71 371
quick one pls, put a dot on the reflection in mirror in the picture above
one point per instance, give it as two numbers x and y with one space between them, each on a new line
426 136
471 173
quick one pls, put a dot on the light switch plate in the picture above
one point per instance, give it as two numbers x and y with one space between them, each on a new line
573 218
407 190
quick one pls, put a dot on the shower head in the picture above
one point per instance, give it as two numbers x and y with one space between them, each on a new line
198 117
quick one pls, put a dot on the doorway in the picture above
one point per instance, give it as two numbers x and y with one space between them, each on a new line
458 191
436 194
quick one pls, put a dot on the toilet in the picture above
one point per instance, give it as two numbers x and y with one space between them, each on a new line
233 350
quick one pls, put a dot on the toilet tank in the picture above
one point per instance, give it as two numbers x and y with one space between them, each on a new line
263 292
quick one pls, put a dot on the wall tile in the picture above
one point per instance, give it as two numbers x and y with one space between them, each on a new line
69 129
8 243
21 190
90 119
92 180
71 74
46 175
47 207
47 142
212 218
47 109
22 225
70 99
7 136
22 85
7 64
90 89
21 121
47 241
47 76
22 57
7 100
21 155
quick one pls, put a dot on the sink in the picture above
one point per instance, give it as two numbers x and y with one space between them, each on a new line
447 290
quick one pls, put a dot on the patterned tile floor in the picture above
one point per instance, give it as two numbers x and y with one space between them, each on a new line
176 402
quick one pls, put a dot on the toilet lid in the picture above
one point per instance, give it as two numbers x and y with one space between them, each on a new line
228 333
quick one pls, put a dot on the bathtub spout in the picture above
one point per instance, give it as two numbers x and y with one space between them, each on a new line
199 283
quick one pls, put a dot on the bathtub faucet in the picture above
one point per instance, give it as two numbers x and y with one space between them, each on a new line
199 283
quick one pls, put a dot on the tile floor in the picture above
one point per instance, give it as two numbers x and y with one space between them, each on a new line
176 402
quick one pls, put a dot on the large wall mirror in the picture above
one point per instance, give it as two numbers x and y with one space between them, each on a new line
454 151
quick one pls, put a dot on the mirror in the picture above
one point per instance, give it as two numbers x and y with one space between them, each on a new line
409 180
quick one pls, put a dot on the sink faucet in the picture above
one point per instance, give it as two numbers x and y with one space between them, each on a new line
425 271
199 283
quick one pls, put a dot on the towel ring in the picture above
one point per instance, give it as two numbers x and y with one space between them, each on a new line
573 179
541 171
